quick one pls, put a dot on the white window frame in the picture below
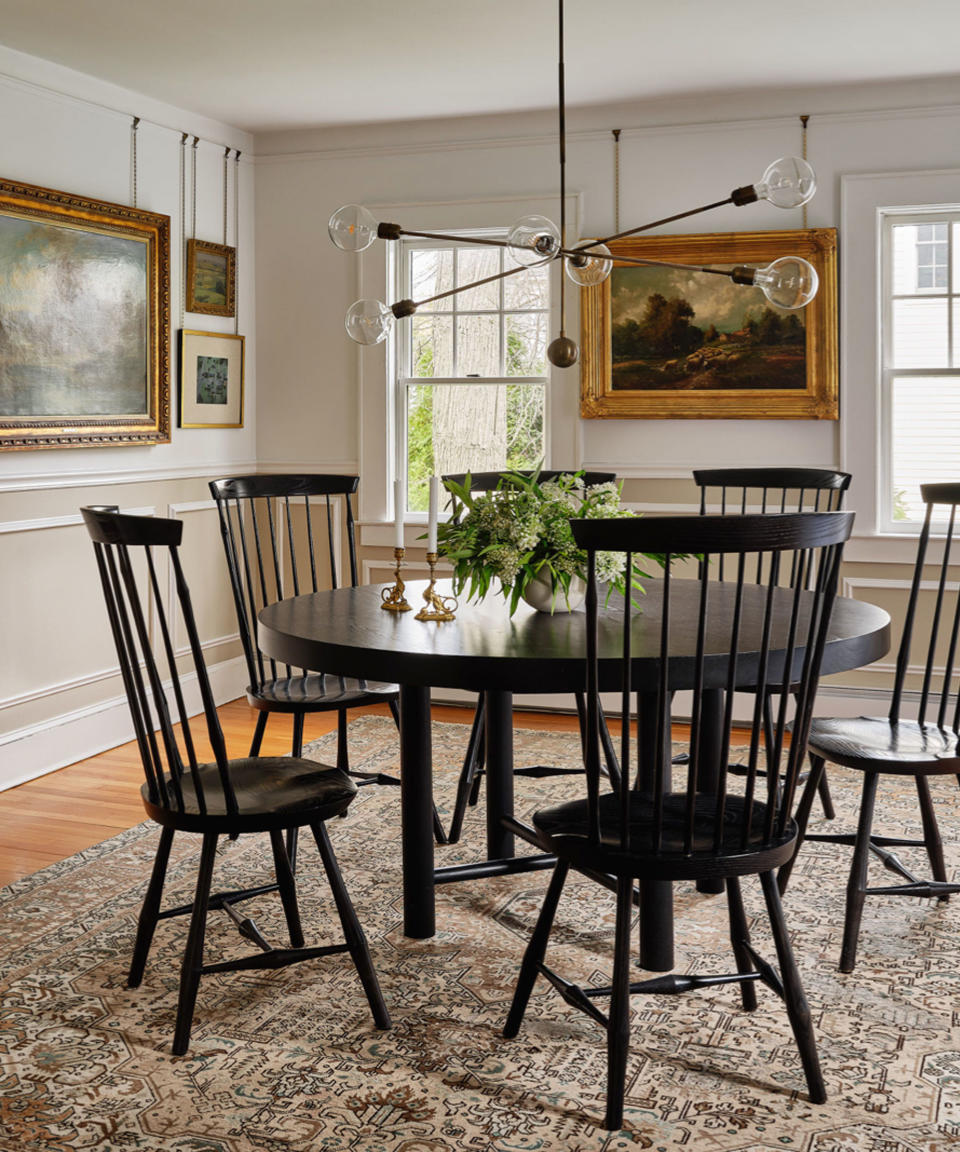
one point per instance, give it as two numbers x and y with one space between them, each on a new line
889 219
865 199
402 344
376 278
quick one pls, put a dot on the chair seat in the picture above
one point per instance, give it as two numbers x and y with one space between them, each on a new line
318 692
271 792
872 743
565 828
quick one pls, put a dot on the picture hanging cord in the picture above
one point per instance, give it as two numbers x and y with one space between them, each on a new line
193 190
803 135
616 179
183 225
133 160
226 180
236 241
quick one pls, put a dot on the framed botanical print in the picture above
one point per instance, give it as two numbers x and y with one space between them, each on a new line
661 342
84 321
211 278
211 380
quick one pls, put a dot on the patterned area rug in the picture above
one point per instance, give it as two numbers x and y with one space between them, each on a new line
289 1060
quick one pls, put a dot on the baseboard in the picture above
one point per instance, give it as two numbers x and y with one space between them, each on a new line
831 701
30 752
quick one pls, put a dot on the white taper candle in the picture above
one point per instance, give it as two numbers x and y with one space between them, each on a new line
399 500
434 512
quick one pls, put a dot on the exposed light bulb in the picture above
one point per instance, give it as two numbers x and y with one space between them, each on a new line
790 282
788 182
590 268
533 239
368 321
352 228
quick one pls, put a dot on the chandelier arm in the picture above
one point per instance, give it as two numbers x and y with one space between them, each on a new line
446 236
654 263
654 224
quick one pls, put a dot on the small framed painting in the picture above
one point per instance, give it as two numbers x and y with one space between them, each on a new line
211 380
211 278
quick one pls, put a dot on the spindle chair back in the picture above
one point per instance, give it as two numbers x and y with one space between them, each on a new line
711 824
898 745
184 792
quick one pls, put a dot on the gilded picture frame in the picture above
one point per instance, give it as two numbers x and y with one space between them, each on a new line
211 278
668 344
84 321
211 380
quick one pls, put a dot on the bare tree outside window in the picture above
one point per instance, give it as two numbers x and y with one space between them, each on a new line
473 367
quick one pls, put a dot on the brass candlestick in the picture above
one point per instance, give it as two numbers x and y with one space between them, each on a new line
436 607
393 598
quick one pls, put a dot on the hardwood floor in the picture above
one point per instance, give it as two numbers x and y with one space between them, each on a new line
49 819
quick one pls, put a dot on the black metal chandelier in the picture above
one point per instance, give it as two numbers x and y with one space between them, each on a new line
788 282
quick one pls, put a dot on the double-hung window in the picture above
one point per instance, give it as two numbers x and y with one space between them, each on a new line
471 368
920 344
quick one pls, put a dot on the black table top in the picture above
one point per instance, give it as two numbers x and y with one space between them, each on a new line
347 632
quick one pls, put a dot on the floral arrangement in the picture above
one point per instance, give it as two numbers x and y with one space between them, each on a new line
520 533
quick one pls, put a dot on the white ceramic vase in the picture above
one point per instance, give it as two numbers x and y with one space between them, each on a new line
540 594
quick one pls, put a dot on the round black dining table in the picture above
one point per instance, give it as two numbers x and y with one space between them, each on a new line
346 632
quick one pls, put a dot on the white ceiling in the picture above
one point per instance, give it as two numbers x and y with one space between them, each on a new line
272 64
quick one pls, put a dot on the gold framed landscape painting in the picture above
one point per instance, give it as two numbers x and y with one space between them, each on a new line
211 380
211 278
673 344
84 321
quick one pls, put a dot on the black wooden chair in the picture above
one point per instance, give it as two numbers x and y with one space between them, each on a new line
775 490
921 748
223 798
471 774
275 549
742 826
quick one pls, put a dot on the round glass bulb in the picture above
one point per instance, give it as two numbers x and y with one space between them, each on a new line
533 239
368 321
352 228
790 282
590 268
788 183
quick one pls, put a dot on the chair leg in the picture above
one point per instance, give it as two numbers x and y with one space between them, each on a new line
258 732
150 910
618 1021
798 1010
611 763
343 754
931 833
823 788
353 933
802 818
739 938
468 774
394 711
535 952
193 956
857 882
296 748
288 889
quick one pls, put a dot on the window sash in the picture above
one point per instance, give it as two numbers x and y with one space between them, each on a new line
892 376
